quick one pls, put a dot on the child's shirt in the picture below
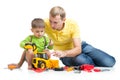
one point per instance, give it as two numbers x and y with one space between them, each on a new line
40 42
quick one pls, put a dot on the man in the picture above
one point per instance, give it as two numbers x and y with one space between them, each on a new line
68 47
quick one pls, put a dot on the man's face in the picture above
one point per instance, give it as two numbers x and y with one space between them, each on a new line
56 22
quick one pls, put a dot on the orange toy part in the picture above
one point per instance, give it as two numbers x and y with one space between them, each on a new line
68 68
11 67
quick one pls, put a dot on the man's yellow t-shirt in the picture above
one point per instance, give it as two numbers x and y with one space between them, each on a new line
63 39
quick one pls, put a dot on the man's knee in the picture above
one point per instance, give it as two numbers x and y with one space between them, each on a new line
83 59
111 62
108 62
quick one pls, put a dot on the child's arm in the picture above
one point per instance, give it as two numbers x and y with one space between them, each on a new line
50 44
23 42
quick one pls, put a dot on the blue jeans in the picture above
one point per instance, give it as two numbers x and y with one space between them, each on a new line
90 55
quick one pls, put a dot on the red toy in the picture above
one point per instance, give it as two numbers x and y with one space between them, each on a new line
38 70
87 67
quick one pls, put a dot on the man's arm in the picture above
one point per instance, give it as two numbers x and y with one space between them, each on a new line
76 50
70 53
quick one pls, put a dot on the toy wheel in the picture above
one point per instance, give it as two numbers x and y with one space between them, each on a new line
41 65
33 66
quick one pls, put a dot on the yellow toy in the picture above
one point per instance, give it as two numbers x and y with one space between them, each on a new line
11 67
41 59
31 46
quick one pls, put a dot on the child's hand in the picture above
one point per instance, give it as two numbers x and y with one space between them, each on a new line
48 53
30 51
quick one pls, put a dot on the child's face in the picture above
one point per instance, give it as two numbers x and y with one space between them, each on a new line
38 32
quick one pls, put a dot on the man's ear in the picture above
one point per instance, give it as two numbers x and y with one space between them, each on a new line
64 20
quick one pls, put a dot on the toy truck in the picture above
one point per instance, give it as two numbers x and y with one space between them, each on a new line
41 59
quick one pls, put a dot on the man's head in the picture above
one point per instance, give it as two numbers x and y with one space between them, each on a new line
57 17
38 26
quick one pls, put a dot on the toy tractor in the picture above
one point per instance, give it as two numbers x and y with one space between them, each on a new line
41 59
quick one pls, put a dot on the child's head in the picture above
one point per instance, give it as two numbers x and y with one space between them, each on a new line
38 26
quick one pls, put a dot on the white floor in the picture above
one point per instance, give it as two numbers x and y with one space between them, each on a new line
24 74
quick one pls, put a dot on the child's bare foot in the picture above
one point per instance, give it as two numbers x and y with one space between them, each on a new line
29 67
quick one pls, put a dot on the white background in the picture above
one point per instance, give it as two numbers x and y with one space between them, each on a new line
99 21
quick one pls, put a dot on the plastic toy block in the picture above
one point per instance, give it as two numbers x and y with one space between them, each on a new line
59 69
11 67
38 70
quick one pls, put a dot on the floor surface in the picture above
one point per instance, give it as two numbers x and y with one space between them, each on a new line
24 74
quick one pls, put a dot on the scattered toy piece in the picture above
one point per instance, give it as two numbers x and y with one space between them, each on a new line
59 69
69 69
87 67
38 70
97 70
11 67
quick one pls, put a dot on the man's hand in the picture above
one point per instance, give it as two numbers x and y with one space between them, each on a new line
59 54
